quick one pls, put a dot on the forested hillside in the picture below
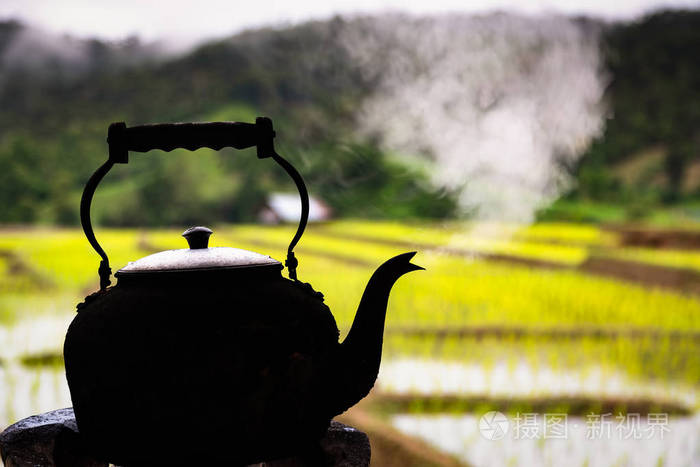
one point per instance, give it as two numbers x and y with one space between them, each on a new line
57 98
651 145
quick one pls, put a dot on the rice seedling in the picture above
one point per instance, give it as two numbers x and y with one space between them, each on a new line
682 259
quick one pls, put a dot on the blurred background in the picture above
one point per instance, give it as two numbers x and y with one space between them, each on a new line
544 160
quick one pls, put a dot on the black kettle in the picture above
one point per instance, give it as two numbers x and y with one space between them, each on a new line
209 356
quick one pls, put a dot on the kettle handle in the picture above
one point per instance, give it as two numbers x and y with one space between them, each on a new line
192 136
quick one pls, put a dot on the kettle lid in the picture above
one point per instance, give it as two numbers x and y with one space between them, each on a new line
199 257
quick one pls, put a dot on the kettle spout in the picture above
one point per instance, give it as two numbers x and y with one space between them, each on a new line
361 351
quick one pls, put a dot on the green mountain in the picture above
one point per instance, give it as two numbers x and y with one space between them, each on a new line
58 95
651 146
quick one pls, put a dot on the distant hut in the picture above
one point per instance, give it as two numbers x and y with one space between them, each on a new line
283 208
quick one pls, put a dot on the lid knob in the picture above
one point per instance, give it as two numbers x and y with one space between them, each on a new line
197 237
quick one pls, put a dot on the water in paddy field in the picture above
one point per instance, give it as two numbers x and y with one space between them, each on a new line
29 386
26 391
523 380
589 441
461 436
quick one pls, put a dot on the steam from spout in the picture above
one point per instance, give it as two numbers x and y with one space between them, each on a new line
501 104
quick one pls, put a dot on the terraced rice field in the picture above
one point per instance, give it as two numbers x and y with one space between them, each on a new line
504 318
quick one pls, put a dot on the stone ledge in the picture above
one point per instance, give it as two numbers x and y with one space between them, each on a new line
51 439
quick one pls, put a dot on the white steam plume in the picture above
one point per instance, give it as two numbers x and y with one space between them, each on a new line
501 103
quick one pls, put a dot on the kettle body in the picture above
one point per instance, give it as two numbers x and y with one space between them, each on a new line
237 368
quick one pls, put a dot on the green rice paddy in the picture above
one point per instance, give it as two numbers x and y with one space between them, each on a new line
487 299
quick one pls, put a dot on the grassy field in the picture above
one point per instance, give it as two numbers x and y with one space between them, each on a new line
502 313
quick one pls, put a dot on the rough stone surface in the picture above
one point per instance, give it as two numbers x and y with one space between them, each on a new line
345 446
52 440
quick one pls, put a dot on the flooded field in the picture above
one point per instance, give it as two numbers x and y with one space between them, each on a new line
521 381
676 442
30 391
517 324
